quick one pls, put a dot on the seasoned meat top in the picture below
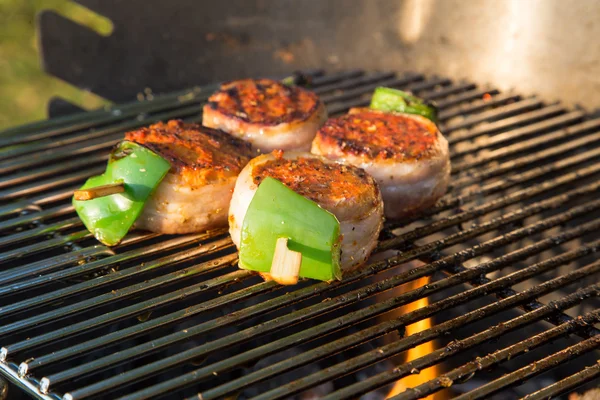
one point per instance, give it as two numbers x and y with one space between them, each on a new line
200 155
329 184
264 101
381 136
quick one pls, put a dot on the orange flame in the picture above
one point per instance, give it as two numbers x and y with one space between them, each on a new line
419 351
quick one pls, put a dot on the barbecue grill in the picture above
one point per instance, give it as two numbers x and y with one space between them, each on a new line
507 260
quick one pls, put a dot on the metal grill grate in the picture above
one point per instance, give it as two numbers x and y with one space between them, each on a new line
510 251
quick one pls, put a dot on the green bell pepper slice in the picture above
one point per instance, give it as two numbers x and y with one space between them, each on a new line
140 170
394 100
278 212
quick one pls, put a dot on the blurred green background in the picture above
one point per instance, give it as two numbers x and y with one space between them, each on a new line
24 87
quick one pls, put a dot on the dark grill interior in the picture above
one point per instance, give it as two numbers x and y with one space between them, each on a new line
510 253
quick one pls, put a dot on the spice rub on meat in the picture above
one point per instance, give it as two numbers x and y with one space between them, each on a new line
195 194
327 184
380 136
266 113
346 191
200 155
406 154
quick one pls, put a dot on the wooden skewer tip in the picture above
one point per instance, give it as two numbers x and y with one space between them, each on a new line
99 191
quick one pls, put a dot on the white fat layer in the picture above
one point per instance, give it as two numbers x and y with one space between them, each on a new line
175 208
296 135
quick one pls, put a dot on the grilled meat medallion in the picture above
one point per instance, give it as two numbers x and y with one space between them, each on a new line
406 154
195 194
346 191
266 113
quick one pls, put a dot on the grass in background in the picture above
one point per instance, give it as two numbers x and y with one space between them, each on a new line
24 88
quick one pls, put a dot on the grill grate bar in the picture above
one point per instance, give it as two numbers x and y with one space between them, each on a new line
571 382
114 133
30 385
445 114
114 130
428 84
134 108
338 96
138 308
557 319
50 156
406 257
493 115
191 332
37 173
53 241
486 127
337 323
37 232
405 343
382 353
102 114
35 217
317 78
544 113
45 245
502 355
31 175
54 196
340 102
17 207
548 204
40 186
464 344
512 198
14 274
41 137
107 143
476 94
69 152
562 120
115 358
360 81
448 91
448 202
111 296
352 340
87 268
540 366
518 163
163 103
478 106
528 145
136 237
107 137
421 232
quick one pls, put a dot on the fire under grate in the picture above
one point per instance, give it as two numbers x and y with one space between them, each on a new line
504 269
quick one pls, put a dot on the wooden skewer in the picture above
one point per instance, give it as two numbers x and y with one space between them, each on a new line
99 191
286 264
